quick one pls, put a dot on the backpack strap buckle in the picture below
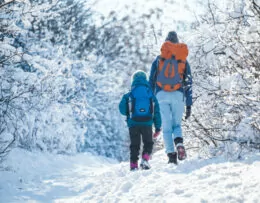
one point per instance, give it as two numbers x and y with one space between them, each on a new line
181 61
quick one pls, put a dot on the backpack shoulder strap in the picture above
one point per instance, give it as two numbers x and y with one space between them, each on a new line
157 68
128 103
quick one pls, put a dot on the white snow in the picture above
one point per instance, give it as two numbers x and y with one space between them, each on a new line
37 177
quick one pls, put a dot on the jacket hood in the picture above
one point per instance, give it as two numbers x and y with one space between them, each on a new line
179 50
139 78
140 81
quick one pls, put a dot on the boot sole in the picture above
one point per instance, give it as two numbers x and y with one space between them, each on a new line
145 167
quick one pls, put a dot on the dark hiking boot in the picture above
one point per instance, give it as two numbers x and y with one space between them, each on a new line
181 152
144 163
133 166
172 158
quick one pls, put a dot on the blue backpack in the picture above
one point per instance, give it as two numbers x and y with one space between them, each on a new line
141 104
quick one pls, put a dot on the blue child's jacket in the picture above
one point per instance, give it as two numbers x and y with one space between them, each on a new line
123 106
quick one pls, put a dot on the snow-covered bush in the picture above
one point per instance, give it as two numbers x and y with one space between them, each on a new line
225 62
64 69
35 88
67 74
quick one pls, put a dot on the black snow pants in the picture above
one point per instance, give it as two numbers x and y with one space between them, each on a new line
136 133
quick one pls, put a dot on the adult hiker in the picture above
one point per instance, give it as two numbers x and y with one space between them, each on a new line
171 80
141 109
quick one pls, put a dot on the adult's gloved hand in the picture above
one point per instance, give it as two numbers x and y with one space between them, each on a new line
157 133
188 112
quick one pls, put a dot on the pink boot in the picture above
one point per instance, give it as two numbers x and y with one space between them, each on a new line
133 166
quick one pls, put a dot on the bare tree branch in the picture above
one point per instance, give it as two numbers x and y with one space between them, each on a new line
7 3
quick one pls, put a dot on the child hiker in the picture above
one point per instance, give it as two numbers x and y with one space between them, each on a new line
141 109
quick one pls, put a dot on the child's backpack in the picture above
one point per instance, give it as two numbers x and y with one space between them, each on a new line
140 106
171 66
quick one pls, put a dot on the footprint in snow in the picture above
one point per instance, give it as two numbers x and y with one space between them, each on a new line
126 187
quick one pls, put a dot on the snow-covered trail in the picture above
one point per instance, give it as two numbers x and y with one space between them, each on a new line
85 178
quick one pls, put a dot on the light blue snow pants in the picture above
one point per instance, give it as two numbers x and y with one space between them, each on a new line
172 108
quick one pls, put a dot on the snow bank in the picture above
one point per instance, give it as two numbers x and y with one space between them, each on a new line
33 177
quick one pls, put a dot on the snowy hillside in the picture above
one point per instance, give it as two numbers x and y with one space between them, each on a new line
85 178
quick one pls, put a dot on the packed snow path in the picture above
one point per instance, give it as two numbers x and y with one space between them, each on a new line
84 178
